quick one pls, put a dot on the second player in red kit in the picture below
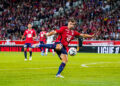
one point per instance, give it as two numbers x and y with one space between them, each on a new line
30 35
42 40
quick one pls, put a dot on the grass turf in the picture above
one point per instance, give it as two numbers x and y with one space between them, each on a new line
101 70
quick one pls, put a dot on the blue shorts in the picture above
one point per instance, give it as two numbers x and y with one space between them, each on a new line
28 45
62 51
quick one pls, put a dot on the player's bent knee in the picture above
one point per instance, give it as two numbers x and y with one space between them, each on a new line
65 61
58 47
64 58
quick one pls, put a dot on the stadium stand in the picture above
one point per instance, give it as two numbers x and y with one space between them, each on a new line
92 15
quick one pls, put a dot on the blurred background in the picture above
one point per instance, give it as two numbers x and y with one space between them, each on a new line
91 15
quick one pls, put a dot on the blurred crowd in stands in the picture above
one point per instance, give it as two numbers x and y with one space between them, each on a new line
91 16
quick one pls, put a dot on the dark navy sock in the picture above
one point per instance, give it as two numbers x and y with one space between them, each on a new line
61 68
40 49
43 49
47 46
30 53
25 54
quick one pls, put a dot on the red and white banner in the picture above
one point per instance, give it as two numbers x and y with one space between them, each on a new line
72 43
101 43
7 42
99 46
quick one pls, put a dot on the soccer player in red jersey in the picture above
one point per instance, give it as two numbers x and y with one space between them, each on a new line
30 36
42 40
65 35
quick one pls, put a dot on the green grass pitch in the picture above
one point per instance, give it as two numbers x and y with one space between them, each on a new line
84 69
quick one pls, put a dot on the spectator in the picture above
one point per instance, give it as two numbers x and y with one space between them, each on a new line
90 14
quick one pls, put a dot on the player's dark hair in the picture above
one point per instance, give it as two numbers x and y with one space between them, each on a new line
42 27
71 19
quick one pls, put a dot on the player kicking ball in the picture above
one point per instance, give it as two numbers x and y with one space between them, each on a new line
65 35
30 36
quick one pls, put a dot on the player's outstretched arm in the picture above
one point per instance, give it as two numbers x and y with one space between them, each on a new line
87 35
51 33
22 37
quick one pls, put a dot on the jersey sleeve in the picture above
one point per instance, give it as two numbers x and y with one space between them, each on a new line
77 33
60 30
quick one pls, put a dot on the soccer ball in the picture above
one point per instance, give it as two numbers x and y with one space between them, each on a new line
72 51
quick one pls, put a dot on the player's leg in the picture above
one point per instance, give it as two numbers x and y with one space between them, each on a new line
53 52
30 51
64 59
43 48
43 51
25 51
40 47
52 46
46 52
62 53
49 46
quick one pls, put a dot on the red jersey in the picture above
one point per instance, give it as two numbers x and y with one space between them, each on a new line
29 35
66 35
42 37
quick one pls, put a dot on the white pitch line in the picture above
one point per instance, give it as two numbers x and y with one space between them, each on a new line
31 68
87 65
34 68
84 65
